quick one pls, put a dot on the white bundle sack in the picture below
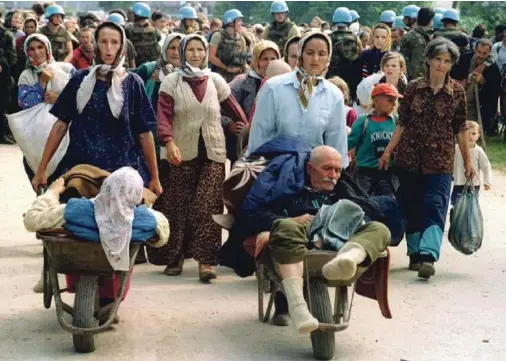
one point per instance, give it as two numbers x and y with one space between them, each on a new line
31 127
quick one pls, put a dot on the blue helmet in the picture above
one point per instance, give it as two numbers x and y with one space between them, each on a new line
398 23
354 15
451 14
342 17
54 10
436 22
187 12
279 6
142 10
231 15
410 11
117 19
387 16
439 10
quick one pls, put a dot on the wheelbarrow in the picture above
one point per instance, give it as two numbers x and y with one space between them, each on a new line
317 295
64 254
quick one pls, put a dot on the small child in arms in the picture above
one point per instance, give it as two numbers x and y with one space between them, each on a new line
480 161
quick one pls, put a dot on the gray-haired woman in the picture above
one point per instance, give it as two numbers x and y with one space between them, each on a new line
431 114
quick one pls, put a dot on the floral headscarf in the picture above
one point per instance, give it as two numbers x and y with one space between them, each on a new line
115 71
30 63
308 81
186 69
258 49
120 193
163 63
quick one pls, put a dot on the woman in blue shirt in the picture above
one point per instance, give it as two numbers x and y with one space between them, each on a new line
109 115
302 103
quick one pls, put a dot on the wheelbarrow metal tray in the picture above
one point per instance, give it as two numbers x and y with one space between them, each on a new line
70 255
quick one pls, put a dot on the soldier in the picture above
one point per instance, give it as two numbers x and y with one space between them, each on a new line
143 35
228 51
409 14
388 17
450 19
346 51
188 21
414 43
281 29
7 60
437 24
398 32
60 38
355 25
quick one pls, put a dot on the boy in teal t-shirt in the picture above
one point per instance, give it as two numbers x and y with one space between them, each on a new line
369 137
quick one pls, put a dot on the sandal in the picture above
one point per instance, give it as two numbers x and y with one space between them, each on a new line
207 272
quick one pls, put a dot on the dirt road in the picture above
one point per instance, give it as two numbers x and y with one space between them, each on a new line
458 315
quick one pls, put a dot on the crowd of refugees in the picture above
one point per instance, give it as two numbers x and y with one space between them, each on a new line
397 109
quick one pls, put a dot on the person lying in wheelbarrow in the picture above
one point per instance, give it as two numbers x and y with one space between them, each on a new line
113 218
316 217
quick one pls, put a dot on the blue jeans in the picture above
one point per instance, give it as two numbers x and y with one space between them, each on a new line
424 199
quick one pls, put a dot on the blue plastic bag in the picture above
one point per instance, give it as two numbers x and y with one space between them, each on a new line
466 222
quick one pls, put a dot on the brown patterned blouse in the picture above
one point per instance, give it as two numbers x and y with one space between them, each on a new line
430 121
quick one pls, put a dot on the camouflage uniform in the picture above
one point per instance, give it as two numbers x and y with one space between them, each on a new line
413 46
280 33
8 58
183 30
458 37
58 41
145 40
232 53
345 60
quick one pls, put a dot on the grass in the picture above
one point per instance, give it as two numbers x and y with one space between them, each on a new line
496 151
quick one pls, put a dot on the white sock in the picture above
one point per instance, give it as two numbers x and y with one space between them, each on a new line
302 319
344 266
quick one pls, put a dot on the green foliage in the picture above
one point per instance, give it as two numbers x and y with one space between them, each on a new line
304 11
496 151
490 13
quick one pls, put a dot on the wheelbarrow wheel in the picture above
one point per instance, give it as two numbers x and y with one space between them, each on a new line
47 288
85 304
324 344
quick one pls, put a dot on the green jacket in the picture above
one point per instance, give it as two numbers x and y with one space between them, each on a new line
413 46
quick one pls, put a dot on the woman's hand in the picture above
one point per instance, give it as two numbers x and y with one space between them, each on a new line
173 154
45 77
40 180
155 186
469 170
384 161
58 186
50 97
235 128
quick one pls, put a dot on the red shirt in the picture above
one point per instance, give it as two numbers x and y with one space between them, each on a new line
82 59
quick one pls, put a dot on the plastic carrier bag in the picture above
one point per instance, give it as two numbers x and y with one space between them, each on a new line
466 222
31 128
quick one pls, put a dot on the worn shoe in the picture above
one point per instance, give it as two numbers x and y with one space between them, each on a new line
427 270
39 287
414 262
174 270
302 319
344 265
207 272
281 316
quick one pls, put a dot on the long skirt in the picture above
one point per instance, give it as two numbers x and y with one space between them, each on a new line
424 199
191 196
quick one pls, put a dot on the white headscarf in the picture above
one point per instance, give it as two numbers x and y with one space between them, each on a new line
165 68
115 96
308 81
186 69
120 193
30 63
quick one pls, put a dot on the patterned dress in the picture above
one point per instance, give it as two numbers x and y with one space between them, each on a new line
99 139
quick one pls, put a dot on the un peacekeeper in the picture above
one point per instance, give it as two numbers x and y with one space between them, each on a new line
228 51
451 18
346 50
60 38
414 43
409 15
281 29
188 17
144 36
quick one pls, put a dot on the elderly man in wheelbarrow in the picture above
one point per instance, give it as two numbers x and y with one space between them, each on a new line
313 214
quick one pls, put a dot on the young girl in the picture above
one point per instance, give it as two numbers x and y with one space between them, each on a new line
369 137
480 164
380 43
351 114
